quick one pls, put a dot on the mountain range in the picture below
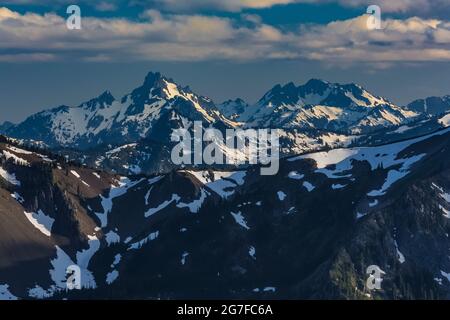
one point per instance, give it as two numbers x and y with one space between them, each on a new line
132 134
362 182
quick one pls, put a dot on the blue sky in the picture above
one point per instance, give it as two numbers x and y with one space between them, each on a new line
289 14
221 48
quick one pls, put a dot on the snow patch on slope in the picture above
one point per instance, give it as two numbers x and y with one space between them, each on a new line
240 220
10 177
221 182
308 186
386 156
41 221
175 198
5 294
195 206
137 245
445 120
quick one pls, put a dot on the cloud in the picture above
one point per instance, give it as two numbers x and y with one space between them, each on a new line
184 37
413 40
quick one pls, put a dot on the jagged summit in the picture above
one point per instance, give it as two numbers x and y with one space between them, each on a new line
103 100
106 96
156 85
155 80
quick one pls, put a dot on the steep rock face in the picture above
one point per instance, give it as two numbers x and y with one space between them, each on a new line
43 220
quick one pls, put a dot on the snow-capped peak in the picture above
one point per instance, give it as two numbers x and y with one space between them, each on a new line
156 86
323 105
320 92
102 101
106 120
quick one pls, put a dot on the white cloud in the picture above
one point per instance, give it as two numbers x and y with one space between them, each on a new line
182 37
413 39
